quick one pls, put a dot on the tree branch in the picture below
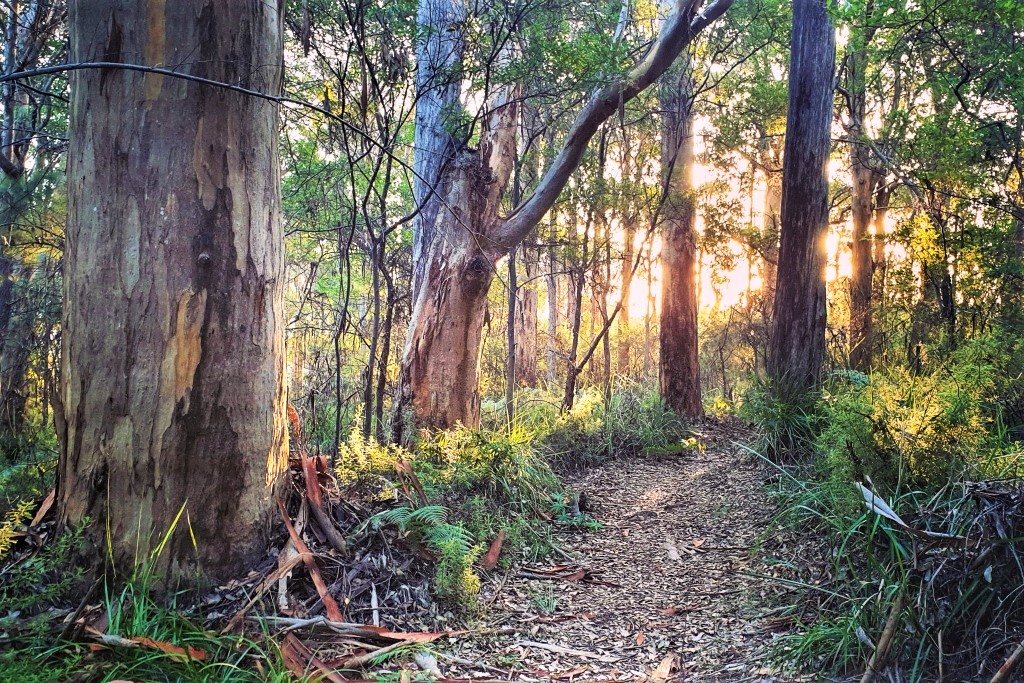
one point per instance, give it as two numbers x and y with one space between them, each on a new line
678 31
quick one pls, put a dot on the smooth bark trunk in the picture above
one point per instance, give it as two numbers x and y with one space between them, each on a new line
439 380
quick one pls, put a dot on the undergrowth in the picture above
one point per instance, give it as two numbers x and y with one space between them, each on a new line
946 564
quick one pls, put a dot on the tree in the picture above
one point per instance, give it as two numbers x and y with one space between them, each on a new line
798 334
679 369
173 358
439 380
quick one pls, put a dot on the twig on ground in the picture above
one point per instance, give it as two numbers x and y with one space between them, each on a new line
1009 666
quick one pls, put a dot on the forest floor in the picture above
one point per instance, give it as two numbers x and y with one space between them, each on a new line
679 582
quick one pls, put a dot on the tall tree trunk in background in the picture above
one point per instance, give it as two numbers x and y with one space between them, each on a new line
173 358
861 323
624 349
551 281
797 348
526 319
625 346
679 367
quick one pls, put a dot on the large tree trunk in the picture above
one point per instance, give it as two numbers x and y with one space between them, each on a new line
173 357
679 368
797 348
438 58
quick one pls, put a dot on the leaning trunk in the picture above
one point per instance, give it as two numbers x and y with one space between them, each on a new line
173 347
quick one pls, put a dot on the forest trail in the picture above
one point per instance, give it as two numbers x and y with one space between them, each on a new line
668 589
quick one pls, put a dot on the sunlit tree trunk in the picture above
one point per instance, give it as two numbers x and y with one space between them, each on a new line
526 319
679 369
173 345
551 281
797 348
861 322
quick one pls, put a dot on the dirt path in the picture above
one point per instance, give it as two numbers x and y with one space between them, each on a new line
671 586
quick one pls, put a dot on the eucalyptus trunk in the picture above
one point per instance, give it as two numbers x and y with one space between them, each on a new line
173 347
679 366
797 348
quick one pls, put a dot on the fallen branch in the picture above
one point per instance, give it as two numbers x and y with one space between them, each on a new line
568 651
1009 666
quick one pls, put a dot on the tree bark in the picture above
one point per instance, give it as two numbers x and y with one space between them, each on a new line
173 345
797 348
861 322
526 321
679 367
438 84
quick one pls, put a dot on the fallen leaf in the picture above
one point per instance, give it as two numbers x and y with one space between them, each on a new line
640 638
170 648
697 542
569 674
43 508
664 670
490 560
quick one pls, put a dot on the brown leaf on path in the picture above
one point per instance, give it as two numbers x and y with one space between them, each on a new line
640 638
665 669
572 673
697 542
490 560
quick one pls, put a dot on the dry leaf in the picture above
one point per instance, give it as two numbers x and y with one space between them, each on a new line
170 648
664 670
490 560
640 638
697 542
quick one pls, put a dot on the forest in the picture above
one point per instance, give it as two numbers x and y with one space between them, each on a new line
522 340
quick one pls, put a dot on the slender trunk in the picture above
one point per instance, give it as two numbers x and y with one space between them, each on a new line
572 370
376 247
552 293
625 339
385 353
861 323
679 367
797 348
526 321
510 367
173 345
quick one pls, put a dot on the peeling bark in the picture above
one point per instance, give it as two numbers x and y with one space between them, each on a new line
173 345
